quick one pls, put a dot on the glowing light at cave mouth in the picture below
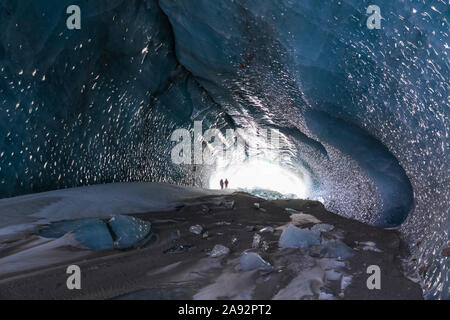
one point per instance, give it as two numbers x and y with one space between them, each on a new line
260 174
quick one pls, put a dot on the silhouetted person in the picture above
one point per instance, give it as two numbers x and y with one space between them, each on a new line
226 183
221 183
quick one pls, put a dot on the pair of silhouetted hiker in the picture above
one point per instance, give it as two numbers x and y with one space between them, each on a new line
223 183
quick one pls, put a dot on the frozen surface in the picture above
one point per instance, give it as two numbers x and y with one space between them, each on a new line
293 237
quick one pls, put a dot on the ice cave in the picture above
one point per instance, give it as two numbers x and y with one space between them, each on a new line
87 116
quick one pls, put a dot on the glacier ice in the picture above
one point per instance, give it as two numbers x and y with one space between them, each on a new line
364 113
293 237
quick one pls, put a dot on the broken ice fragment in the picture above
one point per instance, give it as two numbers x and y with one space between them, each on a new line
175 235
219 251
90 233
293 237
345 282
222 223
290 210
322 227
336 249
256 205
197 229
130 231
252 261
229 204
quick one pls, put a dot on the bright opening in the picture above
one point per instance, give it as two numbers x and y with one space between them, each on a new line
259 174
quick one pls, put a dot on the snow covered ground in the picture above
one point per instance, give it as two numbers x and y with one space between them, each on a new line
98 201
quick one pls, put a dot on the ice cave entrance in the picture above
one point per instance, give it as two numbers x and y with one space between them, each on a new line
261 175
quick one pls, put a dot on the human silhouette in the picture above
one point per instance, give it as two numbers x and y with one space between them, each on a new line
221 183
226 183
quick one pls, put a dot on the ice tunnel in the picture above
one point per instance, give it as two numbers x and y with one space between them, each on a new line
363 115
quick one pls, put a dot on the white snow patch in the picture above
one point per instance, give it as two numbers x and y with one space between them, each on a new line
99 201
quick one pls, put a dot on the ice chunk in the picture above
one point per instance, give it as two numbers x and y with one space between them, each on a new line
267 229
336 249
293 237
345 282
90 233
219 251
322 227
326 296
256 205
129 231
368 246
290 210
197 229
205 208
252 261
